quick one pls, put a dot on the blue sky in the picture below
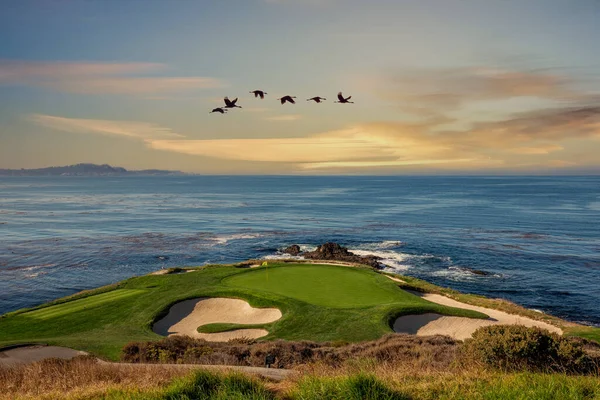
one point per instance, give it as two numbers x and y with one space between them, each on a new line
456 86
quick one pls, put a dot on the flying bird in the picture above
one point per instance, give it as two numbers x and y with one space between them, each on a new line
341 99
219 110
289 99
259 93
317 99
231 103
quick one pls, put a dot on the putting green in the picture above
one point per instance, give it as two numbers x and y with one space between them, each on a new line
328 286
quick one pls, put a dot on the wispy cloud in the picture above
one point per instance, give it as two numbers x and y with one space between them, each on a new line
25 72
130 85
286 117
131 129
100 78
524 140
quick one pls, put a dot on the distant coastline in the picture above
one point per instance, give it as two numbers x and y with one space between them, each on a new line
85 170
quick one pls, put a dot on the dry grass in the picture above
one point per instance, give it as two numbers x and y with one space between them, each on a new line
86 379
435 351
80 378
457 382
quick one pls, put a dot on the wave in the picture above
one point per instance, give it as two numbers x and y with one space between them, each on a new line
282 256
392 259
30 267
387 244
461 274
224 239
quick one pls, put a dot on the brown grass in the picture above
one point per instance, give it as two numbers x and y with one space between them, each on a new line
435 351
79 378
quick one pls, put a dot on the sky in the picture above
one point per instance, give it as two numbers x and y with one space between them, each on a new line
439 86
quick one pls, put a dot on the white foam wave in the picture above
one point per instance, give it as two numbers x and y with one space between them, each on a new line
387 244
34 267
224 239
392 259
282 256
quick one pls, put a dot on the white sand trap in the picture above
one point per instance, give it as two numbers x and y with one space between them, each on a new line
185 317
29 354
459 327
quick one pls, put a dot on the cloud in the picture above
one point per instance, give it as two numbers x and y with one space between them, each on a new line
287 117
24 72
124 85
130 129
553 124
379 164
450 88
546 149
99 78
459 96
524 140
282 150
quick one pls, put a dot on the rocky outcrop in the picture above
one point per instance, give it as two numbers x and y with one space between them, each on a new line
293 250
335 252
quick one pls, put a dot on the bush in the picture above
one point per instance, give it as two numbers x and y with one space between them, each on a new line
518 348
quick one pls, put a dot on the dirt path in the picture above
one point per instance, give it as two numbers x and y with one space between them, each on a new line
28 354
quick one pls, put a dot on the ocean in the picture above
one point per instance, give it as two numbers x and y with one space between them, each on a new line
537 238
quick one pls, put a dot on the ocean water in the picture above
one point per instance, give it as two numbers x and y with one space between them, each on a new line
537 237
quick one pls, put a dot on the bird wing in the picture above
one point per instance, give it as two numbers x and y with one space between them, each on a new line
234 101
340 96
349 97
262 95
291 100
227 101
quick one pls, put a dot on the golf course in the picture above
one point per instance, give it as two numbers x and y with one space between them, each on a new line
310 301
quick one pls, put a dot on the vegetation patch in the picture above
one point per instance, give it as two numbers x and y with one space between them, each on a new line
436 351
518 348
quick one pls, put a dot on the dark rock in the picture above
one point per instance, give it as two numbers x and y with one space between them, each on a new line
335 252
293 250
473 271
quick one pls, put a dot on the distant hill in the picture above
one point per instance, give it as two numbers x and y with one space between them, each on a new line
84 170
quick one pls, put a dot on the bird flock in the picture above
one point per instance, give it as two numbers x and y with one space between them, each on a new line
229 104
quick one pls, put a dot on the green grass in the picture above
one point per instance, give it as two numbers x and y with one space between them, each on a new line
224 327
87 303
201 385
320 303
326 286
586 332
522 386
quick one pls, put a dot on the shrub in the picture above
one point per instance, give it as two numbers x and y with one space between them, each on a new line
518 348
433 352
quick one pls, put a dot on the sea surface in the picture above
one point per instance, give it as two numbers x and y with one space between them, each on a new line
538 238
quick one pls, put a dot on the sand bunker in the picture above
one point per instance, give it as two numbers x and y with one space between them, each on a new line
29 354
459 327
185 317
